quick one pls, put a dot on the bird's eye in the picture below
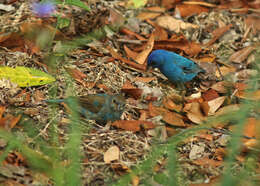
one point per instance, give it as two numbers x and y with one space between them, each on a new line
114 101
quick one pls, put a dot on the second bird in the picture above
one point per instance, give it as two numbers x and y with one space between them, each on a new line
99 107
176 68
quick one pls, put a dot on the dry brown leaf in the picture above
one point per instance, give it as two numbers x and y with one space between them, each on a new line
227 109
156 9
206 136
225 70
145 79
131 33
170 131
168 4
178 43
218 33
220 153
76 74
119 57
148 15
206 162
250 95
133 125
254 22
14 121
241 55
142 56
174 119
187 10
221 87
194 113
215 104
159 33
155 111
130 53
205 107
172 24
251 130
143 115
111 154
251 127
210 95
169 104
8 121
207 58
132 90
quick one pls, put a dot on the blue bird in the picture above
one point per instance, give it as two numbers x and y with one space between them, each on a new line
176 68
99 107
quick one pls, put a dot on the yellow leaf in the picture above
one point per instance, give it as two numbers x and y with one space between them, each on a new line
25 77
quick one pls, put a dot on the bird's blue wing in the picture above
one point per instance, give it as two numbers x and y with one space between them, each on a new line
176 74
187 65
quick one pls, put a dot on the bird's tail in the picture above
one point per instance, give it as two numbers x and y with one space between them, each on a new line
55 100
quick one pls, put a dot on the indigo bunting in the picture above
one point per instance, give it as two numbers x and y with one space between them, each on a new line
176 68
99 107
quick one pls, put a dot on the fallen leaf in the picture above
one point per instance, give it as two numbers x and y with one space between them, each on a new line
206 162
205 107
142 56
179 43
130 53
251 128
170 131
155 111
215 104
254 22
194 113
145 79
224 71
111 154
222 86
76 74
172 24
187 10
220 153
131 63
169 104
248 95
148 15
210 95
156 9
227 109
169 4
131 33
133 125
8 121
159 33
218 33
241 55
174 119
206 58
132 90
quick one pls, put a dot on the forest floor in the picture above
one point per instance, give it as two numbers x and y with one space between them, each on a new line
107 49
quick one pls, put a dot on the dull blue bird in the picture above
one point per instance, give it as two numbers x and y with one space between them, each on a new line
176 68
99 107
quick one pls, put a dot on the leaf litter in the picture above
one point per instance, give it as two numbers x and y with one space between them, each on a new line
219 40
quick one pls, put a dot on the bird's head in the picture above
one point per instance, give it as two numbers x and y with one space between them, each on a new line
156 59
118 103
